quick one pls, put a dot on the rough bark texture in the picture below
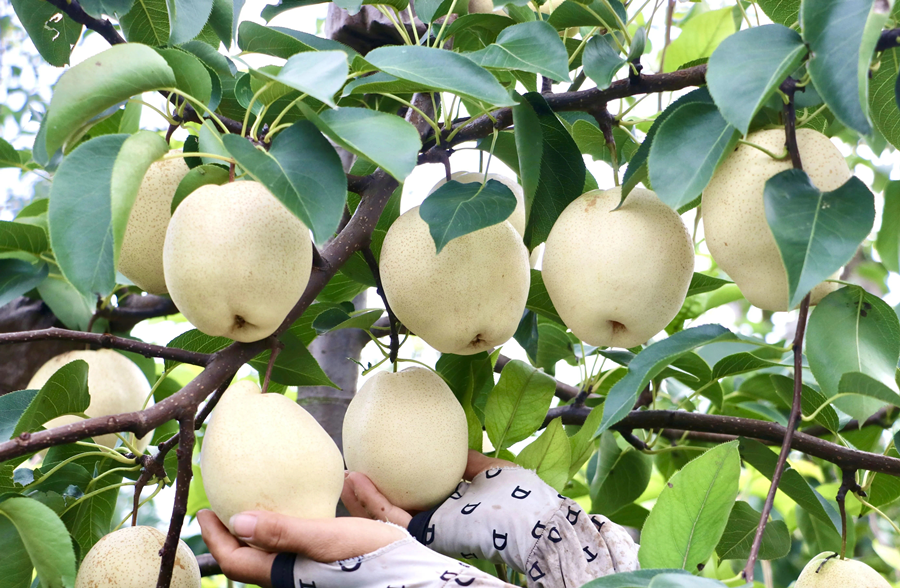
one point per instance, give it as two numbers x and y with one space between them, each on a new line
365 30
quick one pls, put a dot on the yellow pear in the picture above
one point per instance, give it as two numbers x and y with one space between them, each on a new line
236 260
517 218
483 6
734 214
265 452
407 432
116 385
827 571
129 558
468 299
617 277
141 257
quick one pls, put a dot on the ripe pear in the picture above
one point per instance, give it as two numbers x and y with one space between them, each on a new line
236 260
116 385
265 452
482 6
407 432
468 299
517 218
129 558
827 571
734 214
618 277
141 257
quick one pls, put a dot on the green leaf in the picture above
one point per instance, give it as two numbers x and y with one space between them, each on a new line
98 8
335 319
362 131
191 76
839 63
686 150
531 46
15 566
224 19
764 459
621 475
53 37
549 455
321 74
740 363
699 37
147 23
45 539
214 60
70 306
582 442
457 209
882 97
553 170
202 175
701 283
186 19
865 385
785 12
517 405
15 237
885 488
602 60
691 513
816 232
819 536
443 70
679 581
382 83
91 520
539 300
593 13
649 363
106 79
90 202
747 67
635 579
66 392
471 32
888 241
194 340
303 171
294 366
285 43
18 277
741 529
429 10
469 376
12 407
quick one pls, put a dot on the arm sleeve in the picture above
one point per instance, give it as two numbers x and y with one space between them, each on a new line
510 515
402 564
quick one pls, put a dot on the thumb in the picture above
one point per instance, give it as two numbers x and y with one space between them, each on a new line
323 540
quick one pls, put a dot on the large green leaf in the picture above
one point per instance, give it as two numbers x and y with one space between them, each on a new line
686 150
811 401
861 334
191 76
321 74
224 19
539 300
303 171
882 97
147 22
741 529
621 476
440 69
888 241
517 405
98 8
66 392
104 80
21 237
18 277
53 37
294 366
649 363
468 375
92 519
699 37
363 131
284 43
549 455
202 175
12 407
594 13
15 566
90 202
691 513
194 340
45 539
456 209
816 232
835 31
73 308
747 67
785 12
602 60
187 18
530 46
636 579
553 171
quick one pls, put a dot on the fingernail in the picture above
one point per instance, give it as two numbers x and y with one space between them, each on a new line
243 525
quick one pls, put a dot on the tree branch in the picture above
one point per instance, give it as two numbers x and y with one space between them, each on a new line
182 489
107 341
392 318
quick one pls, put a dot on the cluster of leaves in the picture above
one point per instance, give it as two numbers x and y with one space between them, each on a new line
64 249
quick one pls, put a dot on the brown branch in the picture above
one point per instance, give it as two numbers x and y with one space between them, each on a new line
848 484
208 565
392 318
108 341
182 489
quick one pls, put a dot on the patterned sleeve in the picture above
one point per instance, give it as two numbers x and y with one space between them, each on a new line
510 515
402 564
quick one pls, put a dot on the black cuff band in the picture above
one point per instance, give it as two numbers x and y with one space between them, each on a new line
418 527
283 570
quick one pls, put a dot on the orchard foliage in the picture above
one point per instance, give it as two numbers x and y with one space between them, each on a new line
507 83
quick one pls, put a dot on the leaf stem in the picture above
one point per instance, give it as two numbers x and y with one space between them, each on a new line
784 155
437 39
256 95
425 117
201 106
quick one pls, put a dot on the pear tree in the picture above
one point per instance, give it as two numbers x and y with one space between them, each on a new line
714 186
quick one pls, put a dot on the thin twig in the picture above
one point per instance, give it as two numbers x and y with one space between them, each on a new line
182 489
392 318
848 484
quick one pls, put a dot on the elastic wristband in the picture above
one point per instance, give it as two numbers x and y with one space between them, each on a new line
419 525
283 570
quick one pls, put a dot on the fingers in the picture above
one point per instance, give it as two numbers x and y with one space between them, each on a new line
364 500
324 540
238 562
478 463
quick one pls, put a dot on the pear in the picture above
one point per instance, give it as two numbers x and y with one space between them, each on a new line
116 385
141 257
517 218
482 6
236 260
734 214
129 558
468 299
618 277
828 571
407 432
265 452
